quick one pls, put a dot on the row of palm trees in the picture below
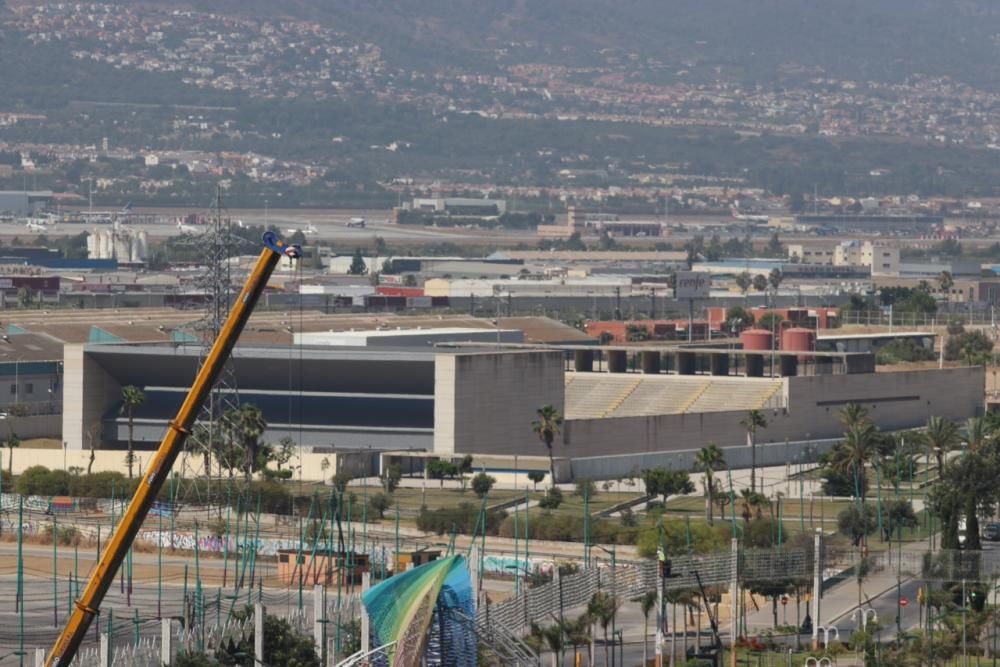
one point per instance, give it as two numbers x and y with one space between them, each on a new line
235 442
857 452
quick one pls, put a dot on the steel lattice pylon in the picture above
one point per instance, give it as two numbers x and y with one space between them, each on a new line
216 284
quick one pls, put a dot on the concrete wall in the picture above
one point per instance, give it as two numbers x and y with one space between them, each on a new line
88 390
187 465
34 426
150 432
485 403
894 401
740 456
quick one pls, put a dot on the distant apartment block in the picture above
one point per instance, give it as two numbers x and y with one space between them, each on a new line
880 257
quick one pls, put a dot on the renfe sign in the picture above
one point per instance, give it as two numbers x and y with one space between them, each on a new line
692 285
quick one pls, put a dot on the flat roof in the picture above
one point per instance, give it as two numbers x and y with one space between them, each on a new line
408 331
676 346
274 327
898 334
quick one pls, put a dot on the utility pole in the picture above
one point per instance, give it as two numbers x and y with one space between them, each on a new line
817 585
734 587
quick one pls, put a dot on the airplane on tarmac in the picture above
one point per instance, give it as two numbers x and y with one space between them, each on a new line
38 225
106 217
749 217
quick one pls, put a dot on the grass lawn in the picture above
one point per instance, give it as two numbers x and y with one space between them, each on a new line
410 500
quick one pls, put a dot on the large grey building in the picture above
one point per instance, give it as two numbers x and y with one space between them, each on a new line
620 415
24 202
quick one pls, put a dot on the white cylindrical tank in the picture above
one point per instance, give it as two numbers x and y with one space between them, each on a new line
122 249
92 246
133 243
107 250
143 245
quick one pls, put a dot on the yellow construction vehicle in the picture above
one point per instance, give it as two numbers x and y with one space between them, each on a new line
86 608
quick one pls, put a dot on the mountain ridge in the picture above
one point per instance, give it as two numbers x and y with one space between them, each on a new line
884 40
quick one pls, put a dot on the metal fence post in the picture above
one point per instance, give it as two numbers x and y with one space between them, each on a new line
365 621
734 608
166 642
258 634
319 611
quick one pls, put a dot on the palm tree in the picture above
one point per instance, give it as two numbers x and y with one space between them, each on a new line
941 436
602 608
946 282
858 448
547 428
852 414
708 460
754 420
976 433
775 278
244 427
132 397
12 442
647 602
577 632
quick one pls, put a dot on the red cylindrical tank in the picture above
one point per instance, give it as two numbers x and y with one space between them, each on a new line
798 340
756 339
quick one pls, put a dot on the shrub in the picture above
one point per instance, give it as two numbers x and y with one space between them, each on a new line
463 518
551 500
900 351
482 483
379 504
99 485
68 535
40 481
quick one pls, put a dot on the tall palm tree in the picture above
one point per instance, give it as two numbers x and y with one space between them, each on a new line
946 282
858 448
244 427
132 397
577 633
12 442
976 433
852 414
546 427
602 608
753 421
708 460
647 602
941 436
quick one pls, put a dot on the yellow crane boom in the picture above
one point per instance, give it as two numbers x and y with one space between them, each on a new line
86 608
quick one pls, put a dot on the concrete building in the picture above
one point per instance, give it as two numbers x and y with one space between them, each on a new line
812 252
882 258
24 203
878 257
482 401
460 206
963 290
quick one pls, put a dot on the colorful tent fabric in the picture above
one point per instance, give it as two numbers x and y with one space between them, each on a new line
402 609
